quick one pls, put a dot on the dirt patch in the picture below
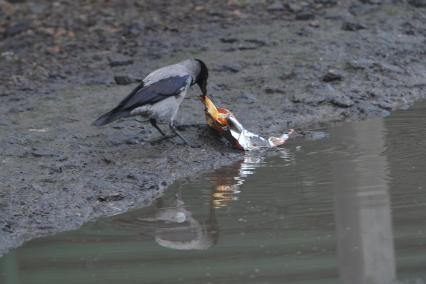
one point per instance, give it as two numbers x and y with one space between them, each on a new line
275 64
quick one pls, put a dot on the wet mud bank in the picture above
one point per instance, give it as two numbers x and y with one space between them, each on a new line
276 66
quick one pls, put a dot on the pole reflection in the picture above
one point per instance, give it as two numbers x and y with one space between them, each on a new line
363 209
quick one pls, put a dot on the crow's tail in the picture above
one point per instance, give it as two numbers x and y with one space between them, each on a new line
110 117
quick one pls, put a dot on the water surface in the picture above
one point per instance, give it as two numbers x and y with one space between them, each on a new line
349 208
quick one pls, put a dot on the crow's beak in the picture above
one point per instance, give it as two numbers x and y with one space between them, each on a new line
203 88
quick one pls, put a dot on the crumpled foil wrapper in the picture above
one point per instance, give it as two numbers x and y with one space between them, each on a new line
225 122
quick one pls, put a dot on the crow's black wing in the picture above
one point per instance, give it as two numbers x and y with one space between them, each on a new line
155 92
143 95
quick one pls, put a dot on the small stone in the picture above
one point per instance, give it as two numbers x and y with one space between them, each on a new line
417 3
352 26
232 68
294 7
134 29
16 29
125 80
341 101
274 90
248 98
358 9
360 64
110 198
372 2
119 60
250 44
332 75
9 56
229 40
6 8
276 6
37 8
314 24
308 98
305 15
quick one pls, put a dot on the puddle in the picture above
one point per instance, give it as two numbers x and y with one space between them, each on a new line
348 208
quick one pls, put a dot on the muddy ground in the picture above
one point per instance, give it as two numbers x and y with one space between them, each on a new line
276 64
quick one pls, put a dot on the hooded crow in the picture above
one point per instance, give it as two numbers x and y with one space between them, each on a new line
160 94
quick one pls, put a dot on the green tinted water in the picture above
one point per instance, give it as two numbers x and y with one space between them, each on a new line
350 208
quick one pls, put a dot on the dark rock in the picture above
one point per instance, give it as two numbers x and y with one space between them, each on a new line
16 29
373 2
247 98
305 15
385 105
119 60
9 56
352 26
360 9
304 31
249 44
125 80
408 28
294 7
276 6
134 29
229 40
311 99
314 24
360 64
232 68
341 101
6 9
274 90
386 67
327 3
332 75
417 3
37 8
110 198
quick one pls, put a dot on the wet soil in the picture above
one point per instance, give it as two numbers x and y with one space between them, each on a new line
275 64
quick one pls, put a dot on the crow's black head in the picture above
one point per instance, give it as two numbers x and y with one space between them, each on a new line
202 77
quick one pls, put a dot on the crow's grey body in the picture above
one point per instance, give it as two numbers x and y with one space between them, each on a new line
160 94
166 108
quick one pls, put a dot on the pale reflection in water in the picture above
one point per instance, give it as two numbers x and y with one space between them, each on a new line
228 180
173 222
363 209
173 226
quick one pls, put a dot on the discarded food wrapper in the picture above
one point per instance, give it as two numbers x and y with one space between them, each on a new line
224 121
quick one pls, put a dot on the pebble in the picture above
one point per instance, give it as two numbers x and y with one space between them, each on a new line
125 80
230 67
276 6
248 98
417 3
341 101
305 16
16 29
352 26
116 60
332 75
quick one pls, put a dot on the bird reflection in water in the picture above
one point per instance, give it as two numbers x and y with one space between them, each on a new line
176 228
172 223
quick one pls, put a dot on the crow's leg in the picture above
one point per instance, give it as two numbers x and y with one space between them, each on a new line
154 123
173 128
175 131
